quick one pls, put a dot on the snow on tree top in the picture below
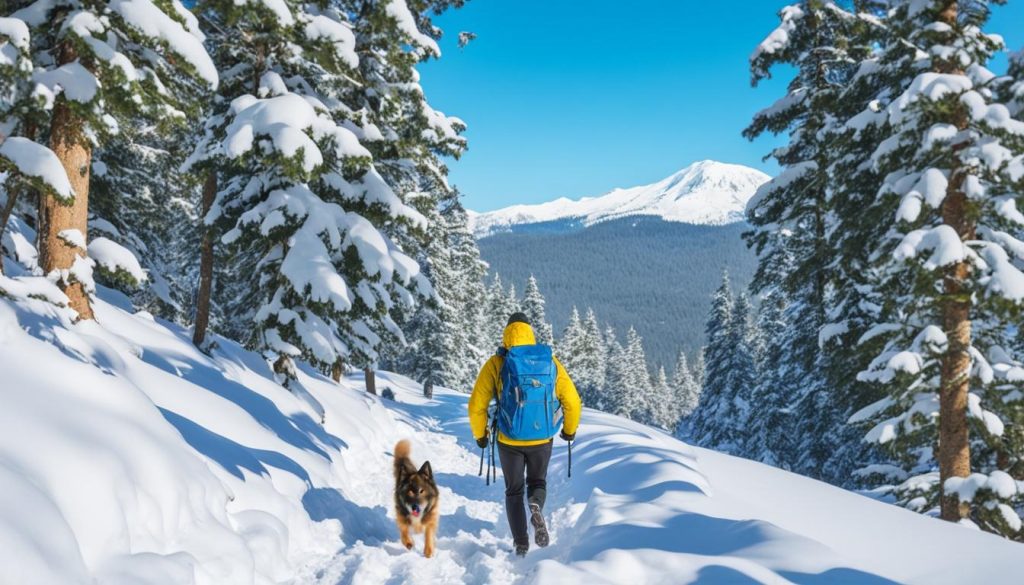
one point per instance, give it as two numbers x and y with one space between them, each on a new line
36 160
151 21
705 193
344 40
16 32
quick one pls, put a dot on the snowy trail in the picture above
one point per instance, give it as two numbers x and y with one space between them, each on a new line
473 538
165 465
628 530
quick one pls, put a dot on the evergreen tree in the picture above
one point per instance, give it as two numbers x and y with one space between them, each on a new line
496 313
443 334
636 397
685 392
592 361
142 201
311 223
699 368
822 43
612 394
94 67
947 274
741 373
512 304
663 409
570 350
717 355
771 425
533 305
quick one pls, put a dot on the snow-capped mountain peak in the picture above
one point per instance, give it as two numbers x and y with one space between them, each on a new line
706 192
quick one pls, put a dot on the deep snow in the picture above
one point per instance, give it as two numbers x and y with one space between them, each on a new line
127 456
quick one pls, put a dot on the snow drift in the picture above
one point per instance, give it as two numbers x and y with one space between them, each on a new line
127 456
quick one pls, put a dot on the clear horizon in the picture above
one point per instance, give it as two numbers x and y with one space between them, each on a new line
563 102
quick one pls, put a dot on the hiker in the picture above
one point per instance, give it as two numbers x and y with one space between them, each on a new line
533 393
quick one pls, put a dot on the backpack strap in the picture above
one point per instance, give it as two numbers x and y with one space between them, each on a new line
501 352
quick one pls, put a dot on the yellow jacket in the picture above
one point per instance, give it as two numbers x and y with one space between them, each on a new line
489 381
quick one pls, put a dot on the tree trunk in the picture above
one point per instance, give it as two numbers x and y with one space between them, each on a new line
954 446
428 388
70 145
371 381
205 265
337 370
5 216
955 307
12 198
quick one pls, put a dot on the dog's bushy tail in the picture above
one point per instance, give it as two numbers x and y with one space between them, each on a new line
402 450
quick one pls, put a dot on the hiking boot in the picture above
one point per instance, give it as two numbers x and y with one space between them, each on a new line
540 529
521 549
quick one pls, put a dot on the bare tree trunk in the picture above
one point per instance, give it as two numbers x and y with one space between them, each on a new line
371 381
205 266
428 388
337 369
70 145
954 440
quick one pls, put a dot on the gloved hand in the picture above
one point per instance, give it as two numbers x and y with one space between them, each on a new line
567 437
482 442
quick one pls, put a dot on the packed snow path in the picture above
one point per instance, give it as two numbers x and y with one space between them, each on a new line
131 457
640 509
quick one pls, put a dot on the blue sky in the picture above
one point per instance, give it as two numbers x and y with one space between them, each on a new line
573 98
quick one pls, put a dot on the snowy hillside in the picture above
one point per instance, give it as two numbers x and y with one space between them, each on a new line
127 456
706 193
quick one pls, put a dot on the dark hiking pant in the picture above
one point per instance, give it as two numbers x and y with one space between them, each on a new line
514 461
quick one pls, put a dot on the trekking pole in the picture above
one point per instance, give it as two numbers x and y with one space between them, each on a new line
494 466
570 459
481 472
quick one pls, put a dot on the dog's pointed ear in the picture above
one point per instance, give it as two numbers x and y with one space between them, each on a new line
425 470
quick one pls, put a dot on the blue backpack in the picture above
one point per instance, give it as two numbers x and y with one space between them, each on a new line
527 407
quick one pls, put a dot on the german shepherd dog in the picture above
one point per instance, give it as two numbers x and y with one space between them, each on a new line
416 499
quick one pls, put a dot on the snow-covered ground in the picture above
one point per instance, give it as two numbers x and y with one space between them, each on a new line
705 193
127 456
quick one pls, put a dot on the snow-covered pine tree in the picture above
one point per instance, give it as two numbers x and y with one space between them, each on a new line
473 348
821 42
663 408
569 346
636 398
771 424
581 351
952 166
140 200
717 356
742 375
431 331
512 303
389 111
496 314
445 347
840 455
611 395
685 394
533 305
305 207
593 361
699 368
95 67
